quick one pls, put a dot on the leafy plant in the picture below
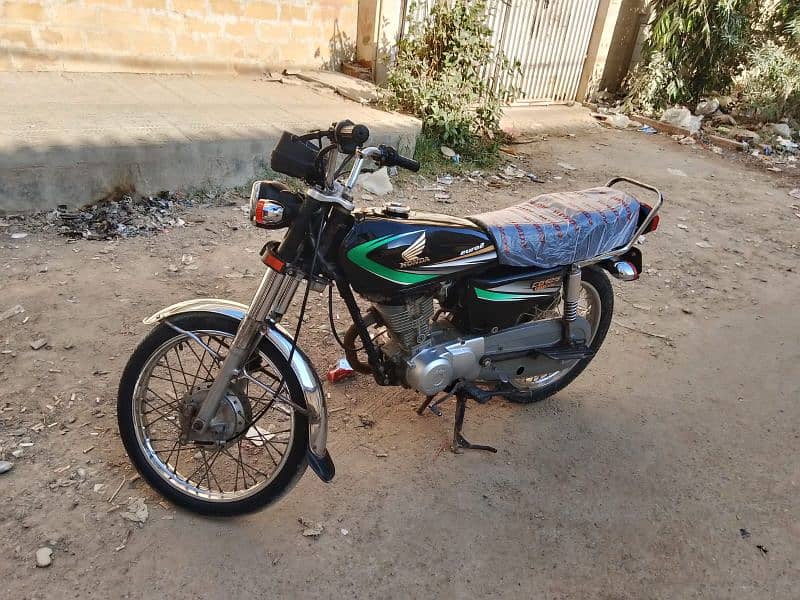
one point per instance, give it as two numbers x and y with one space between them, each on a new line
769 87
698 47
694 46
446 74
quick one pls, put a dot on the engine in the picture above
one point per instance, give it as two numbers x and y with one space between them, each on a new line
409 322
429 355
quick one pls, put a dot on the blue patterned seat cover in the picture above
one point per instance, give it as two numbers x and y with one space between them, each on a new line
562 228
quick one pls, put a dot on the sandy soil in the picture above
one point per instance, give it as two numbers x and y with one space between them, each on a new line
669 469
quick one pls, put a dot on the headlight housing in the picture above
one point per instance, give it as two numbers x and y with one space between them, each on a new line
273 205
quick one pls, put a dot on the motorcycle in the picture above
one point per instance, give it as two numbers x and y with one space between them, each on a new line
221 411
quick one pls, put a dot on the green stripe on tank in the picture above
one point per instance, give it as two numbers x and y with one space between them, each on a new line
501 296
359 256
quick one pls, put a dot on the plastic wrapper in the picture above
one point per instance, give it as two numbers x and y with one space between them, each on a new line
562 228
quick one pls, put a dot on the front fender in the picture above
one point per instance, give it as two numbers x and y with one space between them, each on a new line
309 382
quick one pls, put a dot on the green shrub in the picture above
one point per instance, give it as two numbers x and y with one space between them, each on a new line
439 76
769 87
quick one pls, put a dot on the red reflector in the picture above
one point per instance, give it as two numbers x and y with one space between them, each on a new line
259 216
273 262
654 223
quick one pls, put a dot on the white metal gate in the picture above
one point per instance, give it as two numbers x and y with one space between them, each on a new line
549 38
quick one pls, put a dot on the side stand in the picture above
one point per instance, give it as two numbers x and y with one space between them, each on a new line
460 443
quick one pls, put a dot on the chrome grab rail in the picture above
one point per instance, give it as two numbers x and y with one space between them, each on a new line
642 228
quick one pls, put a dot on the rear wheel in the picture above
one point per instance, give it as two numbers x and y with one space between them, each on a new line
596 306
255 449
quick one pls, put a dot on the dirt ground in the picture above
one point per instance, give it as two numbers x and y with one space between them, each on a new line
669 469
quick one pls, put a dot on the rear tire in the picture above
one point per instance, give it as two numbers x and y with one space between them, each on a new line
188 493
597 279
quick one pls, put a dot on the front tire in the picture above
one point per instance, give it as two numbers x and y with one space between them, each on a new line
597 287
167 373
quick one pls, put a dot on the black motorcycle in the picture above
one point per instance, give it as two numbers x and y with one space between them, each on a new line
221 411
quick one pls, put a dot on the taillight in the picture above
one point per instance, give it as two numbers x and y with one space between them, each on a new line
645 211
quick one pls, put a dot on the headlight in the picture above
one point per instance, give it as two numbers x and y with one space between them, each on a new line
272 205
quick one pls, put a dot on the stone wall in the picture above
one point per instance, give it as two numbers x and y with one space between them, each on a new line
175 36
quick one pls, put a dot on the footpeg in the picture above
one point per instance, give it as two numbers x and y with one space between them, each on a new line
566 352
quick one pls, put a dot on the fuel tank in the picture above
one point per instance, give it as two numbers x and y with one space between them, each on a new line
393 251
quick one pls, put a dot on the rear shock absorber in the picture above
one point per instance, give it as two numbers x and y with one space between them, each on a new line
572 291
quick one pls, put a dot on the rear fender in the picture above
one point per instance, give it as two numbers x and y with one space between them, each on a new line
319 459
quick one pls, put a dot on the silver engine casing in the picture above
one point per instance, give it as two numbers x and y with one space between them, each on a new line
433 368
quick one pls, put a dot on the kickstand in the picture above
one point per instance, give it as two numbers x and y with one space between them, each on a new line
460 443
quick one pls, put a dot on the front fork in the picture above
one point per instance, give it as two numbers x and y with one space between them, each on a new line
271 301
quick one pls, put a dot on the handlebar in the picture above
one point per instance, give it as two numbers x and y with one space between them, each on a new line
390 158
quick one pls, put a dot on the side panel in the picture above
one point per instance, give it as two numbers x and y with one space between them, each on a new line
387 256
501 301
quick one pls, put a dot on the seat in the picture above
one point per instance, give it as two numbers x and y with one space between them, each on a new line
561 228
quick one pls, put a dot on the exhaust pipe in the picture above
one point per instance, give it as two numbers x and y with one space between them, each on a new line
623 269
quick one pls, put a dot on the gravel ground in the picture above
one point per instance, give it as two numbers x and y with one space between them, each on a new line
667 470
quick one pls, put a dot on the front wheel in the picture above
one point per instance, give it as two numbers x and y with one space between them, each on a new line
596 305
255 449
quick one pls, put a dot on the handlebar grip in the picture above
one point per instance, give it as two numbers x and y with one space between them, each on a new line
349 136
407 163
390 158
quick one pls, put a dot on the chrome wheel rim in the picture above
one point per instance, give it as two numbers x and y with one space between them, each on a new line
221 472
590 308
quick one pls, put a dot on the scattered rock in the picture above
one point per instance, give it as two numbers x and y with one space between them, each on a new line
514 171
781 129
619 120
344 531
687 311
136 511
447 152
566 166
381 455
703 244
745 135
762 547
5 466
366 421
39 344
744 533
18 453
707 107
795 193
377 183
682 226
19 236
721 118
310 528
445 179
44 557
14 310
443 197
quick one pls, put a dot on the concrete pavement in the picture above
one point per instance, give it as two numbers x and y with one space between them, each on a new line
69 138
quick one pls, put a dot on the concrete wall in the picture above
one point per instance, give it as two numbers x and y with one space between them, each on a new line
617 30
379 23
175 36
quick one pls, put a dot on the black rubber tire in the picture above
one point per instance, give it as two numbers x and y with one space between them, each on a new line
598 279
296 462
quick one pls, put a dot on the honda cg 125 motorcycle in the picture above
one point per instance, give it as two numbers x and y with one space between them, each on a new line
221 411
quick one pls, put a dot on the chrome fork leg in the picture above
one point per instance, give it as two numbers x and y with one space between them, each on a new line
247 337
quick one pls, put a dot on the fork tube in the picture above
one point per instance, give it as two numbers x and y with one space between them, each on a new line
243 344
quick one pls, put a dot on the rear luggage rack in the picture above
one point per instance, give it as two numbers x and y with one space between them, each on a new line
642 227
